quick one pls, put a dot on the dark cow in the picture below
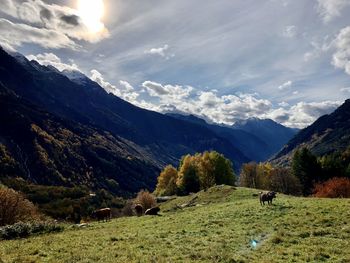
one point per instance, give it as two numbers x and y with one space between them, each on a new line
152 211
102 214
269 196
139 210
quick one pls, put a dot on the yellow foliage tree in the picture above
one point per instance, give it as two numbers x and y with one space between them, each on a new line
167 181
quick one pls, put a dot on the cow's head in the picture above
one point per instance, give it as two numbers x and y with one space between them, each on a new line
272 194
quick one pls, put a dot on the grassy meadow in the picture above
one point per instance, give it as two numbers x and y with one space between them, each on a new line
225 224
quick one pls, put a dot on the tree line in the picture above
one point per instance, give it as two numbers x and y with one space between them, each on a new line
307 175
195 172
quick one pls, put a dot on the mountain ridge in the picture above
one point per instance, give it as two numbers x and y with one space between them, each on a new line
252 141
329 133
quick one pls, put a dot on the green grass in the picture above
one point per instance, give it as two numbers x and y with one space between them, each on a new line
219 228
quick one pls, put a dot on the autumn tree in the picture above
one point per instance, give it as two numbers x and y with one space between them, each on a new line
14 207
188 179
248 176
167 181
283 180
333 188
146 199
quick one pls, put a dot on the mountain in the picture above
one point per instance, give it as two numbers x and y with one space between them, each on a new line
272 133
255 138
46 149
71 98
327 134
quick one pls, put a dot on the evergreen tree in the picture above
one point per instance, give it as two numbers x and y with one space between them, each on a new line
306 168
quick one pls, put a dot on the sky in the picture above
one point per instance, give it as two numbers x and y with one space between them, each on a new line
223 60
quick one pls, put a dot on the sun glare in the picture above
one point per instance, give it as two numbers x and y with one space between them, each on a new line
91 13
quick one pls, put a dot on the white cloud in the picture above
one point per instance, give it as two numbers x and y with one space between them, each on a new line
51 59
285 85
341 59
329 9
167 92
345 89
208 104
124 90
48 25
283 104
302 114
319 47
290 31
161 51
14 35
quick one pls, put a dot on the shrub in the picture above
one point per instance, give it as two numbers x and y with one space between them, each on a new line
146 199
128 208
25 229
333 188
14 208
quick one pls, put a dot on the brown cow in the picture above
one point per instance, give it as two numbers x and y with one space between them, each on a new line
269 196
102 214
152 211
139 209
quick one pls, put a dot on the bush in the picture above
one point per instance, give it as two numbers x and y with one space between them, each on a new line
128 208
25 229
146 199
333 188
14 208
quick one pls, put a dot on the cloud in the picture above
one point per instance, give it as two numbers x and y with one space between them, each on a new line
124 90
167 92
161 51
302 114
207 104
329 9
283 104
345 89
51 59
290 31
285 85
341 59
14 35
51 19
318 48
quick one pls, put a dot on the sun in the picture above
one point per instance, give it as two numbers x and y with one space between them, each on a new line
91 12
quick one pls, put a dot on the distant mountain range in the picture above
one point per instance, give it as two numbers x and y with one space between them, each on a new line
327 134
258 139
74 99
62 128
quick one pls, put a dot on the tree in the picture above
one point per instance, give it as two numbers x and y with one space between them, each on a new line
306 168
206 170
188 180
222 169
167 181
248 176
333 188
14 207
282 180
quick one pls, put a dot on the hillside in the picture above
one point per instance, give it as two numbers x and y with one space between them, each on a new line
226 225
256 138
327 134
59 128
85 102
45 149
